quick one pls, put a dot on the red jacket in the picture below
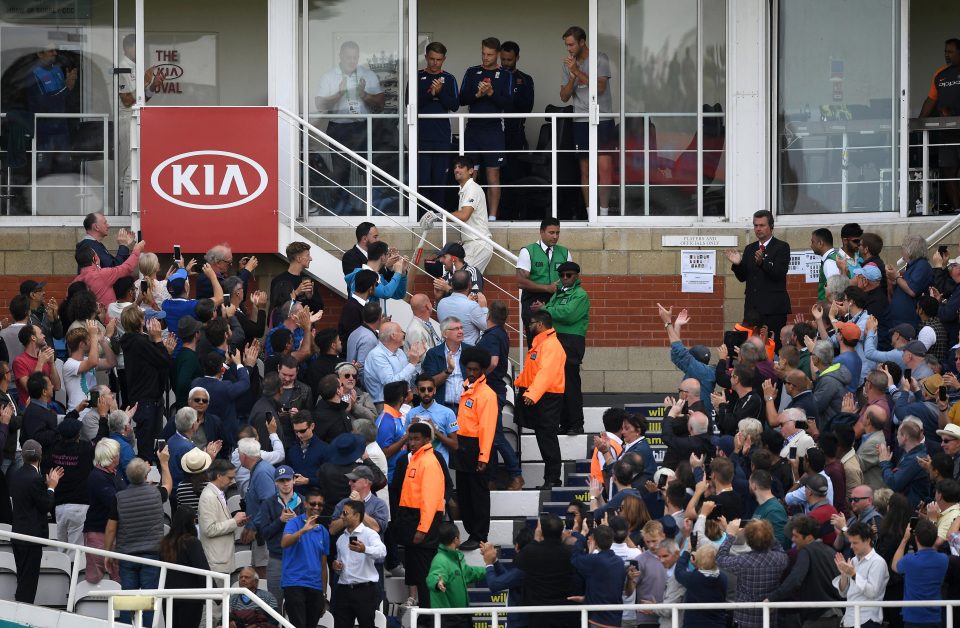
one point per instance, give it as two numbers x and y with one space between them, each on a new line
100 280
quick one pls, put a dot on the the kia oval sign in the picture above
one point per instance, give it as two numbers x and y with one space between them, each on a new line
209 175
219 178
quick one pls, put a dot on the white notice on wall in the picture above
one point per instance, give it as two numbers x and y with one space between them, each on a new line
797 265
698 262
697 282
811 267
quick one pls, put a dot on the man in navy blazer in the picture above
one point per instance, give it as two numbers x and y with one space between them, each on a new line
436 364
763 268
223 393
97 228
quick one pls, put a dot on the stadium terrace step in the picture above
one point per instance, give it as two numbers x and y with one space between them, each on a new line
571 447
501 533
513 504
577 479
566 493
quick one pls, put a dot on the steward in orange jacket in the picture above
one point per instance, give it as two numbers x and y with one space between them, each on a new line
477 419
540 386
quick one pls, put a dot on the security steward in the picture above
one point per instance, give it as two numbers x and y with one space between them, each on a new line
570 308
541 385
419 480
477 418
537 269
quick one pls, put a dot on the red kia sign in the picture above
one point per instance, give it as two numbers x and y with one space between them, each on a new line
209 175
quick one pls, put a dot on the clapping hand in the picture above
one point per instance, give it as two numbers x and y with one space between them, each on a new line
848 404
734 257
845 567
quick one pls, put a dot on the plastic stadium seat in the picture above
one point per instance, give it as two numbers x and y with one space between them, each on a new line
54 582
93 607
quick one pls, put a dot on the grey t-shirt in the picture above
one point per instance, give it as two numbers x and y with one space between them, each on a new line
581 93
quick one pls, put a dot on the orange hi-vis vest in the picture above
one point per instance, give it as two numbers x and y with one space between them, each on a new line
769 343
477 416
423 486
543 368
596 467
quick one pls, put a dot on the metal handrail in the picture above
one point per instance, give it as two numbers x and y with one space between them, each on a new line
496 611
409 192
80 550
209 594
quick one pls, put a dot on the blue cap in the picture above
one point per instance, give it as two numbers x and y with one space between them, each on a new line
871 272
149 313
180 274
283 472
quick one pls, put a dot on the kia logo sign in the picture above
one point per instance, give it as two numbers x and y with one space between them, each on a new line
209 179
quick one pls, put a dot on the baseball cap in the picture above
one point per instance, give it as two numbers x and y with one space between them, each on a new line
69 428
31 446
849 331
905 330
360 472
916 347
179 274
950 430
816 483
149 313
453 248
283 472
724 443
701 353
568 266
30 286
870 272
188 326
927 336
931 383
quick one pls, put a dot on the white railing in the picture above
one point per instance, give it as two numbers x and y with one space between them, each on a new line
209 594
924 176
34 185
498 612
81 551
308 137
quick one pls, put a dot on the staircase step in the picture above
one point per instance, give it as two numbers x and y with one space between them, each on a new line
566 493
513 504
571 447
577 479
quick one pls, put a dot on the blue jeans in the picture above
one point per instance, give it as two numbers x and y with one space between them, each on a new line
135 576
502 446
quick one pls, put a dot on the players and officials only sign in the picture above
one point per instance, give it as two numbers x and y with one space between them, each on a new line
207 175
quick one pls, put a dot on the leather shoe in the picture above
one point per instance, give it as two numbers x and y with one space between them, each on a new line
575 431
546 486
469 545
516 483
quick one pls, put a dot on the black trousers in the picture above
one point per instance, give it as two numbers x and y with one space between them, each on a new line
542 417
147 424
357 602
526 299
27 557
473 497
574 346
416 563
304 606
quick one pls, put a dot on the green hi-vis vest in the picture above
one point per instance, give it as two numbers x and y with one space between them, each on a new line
542 269
822 285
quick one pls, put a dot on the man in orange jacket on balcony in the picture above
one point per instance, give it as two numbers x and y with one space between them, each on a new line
540 387
477 419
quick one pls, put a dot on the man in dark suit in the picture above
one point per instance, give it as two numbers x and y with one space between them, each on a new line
763 267
351 316
356 257
225 392
547 574
39 421
32 496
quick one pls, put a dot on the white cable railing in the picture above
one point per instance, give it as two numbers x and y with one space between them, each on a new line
81 551
498 612
300 191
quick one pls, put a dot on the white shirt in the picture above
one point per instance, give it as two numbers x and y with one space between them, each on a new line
472 194
523 258
868 585
625 552
127 83
830 267
77 384
351 102
276 456
359 568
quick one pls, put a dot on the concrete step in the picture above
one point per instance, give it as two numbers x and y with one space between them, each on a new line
502 531
505 504
571 447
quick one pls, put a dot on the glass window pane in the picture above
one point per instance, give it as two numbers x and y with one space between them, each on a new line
56 98
661 51
836 106
353 94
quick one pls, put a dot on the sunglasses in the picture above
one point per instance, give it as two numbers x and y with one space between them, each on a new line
349 375
200 400
568 274
303 431
426 390
857 499
314 504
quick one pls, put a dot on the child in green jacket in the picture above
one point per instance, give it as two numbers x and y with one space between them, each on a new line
449 576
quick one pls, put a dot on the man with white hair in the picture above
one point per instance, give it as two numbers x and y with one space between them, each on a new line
696 442
95 416
443 363
421 328
216 525
103 483
121 430
220 258
243 610
387 362
135 527
793 423
260 489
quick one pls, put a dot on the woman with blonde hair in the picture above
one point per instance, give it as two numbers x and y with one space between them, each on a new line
149 266
704 585
910 283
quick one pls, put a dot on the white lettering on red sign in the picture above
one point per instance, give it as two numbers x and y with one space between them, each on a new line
224 177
